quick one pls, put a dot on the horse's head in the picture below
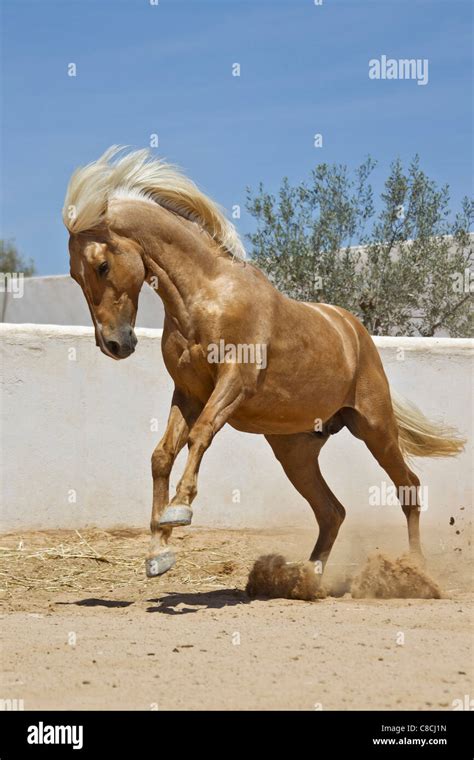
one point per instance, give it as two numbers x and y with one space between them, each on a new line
110 270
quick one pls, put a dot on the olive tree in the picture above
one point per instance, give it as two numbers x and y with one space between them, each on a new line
403 267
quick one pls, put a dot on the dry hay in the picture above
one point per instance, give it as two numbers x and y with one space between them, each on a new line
38 565
98 560
273 577
385 578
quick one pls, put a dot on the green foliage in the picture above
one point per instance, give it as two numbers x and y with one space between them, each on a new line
401 270
11 261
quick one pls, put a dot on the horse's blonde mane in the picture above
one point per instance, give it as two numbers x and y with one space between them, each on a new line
139 176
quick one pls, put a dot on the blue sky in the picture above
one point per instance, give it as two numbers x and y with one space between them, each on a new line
167 69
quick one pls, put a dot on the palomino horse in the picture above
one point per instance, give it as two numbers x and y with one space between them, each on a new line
293 372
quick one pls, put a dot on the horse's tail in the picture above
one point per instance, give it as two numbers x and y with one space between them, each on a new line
420 437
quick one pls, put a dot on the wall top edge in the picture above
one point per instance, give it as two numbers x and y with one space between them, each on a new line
27 330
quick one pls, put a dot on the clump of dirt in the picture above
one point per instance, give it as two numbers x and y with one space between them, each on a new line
383 577
273 577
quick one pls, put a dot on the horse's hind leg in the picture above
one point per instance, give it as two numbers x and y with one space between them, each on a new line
298 455
377 427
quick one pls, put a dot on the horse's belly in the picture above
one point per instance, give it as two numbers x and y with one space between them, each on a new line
297 410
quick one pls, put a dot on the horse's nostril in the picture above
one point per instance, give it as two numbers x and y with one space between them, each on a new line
113 347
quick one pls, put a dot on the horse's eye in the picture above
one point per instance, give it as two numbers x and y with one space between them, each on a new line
103 268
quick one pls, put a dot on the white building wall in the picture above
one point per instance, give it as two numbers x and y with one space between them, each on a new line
78 430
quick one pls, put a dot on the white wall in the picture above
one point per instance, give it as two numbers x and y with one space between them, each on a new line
85 424
58 300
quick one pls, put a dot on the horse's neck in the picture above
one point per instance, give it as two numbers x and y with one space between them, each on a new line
173 291
180 261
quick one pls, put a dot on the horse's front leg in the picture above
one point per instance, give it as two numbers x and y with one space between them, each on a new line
224 400
183 413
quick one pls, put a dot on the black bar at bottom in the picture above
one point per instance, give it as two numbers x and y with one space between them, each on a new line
378 734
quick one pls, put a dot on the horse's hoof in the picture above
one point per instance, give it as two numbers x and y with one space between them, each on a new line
173 517
160 564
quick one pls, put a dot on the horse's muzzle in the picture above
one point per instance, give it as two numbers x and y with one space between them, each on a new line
122 344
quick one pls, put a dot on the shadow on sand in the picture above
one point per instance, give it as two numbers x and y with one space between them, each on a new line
92 602
194 602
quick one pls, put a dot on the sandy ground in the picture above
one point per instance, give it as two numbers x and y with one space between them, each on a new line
83 628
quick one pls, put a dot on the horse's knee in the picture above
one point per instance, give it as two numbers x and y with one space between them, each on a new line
201 436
